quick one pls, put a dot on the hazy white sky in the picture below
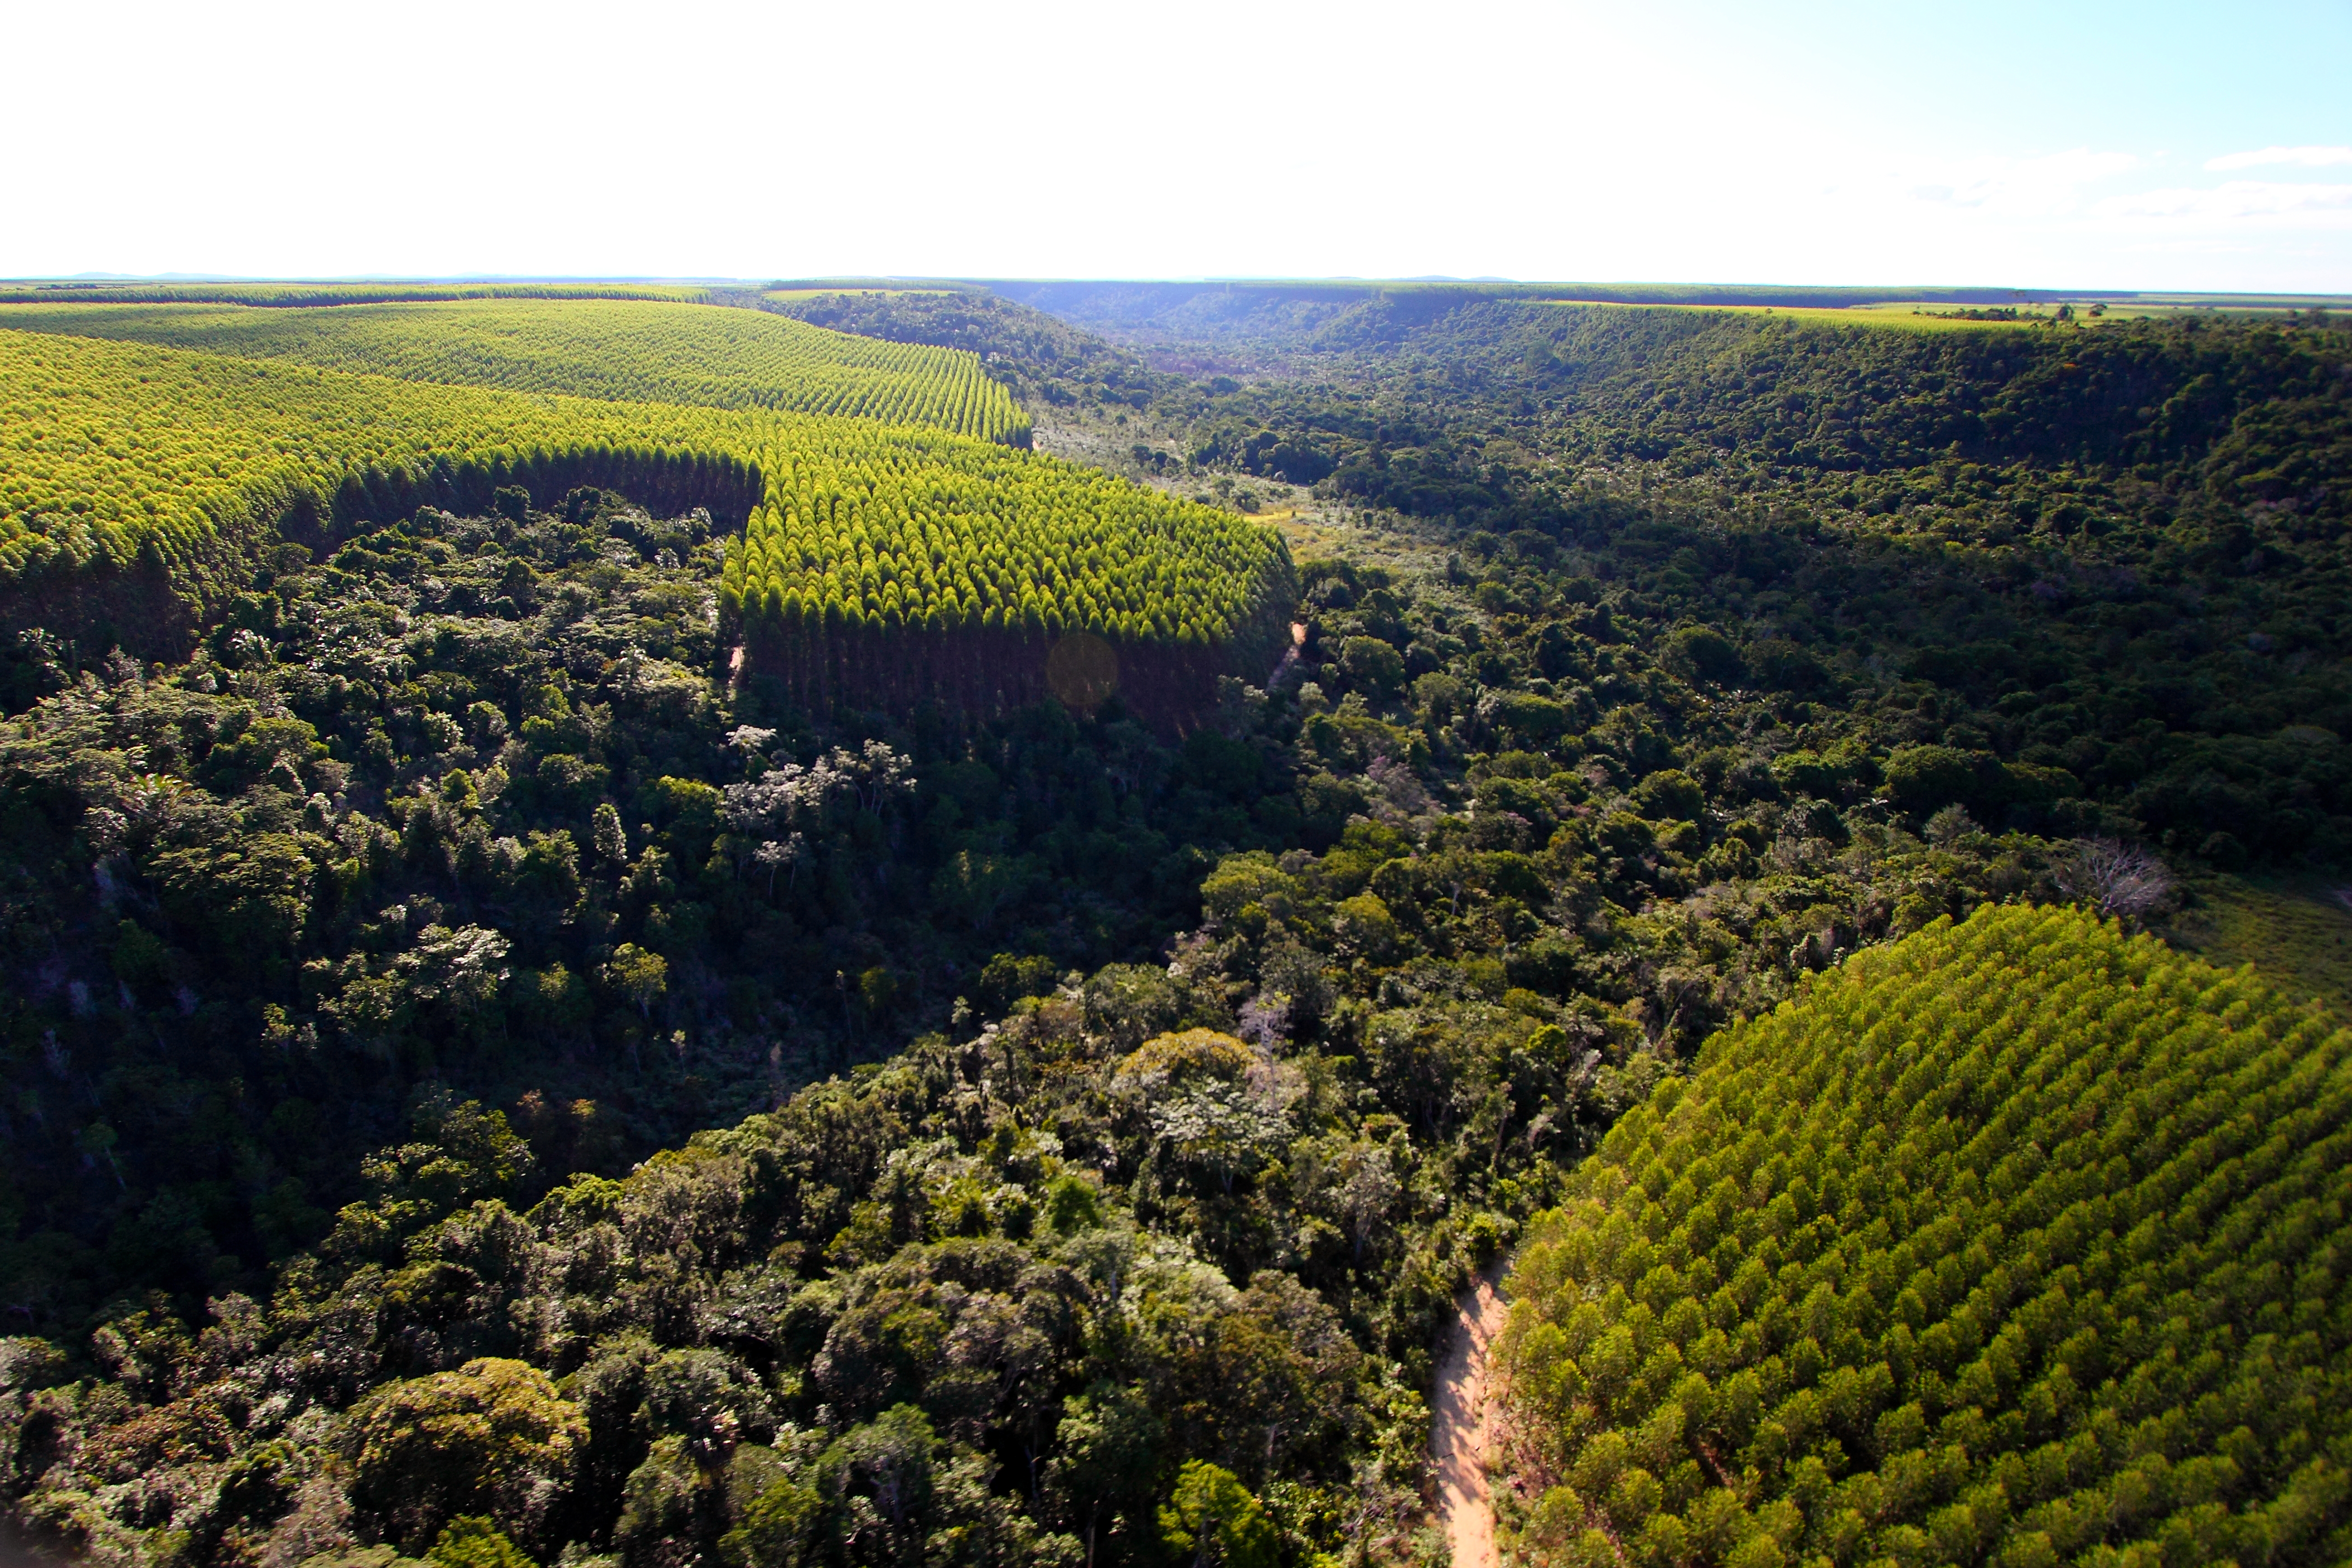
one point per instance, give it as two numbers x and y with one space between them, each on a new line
2090 145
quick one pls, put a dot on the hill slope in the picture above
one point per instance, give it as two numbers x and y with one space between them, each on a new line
615 350
2018 1241
134 469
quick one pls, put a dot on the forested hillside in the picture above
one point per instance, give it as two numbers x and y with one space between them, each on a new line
1272 319
1109 1101
2112 550
305 295
2016 1241
140 480
164 472
610 350
1047 363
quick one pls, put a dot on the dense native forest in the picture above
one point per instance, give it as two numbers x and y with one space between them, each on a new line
504 1066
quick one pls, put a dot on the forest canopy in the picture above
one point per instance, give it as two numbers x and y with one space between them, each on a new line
2015 1241
611 351
516 1048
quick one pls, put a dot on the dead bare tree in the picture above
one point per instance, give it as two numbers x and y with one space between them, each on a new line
2115 878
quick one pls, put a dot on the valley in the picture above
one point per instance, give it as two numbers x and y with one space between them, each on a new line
867 923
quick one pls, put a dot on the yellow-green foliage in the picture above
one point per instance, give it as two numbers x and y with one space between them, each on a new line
1187 1053
981 538
69 294
627 351
112 450
2016 1241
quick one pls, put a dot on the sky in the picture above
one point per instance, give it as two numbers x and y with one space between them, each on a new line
2148 146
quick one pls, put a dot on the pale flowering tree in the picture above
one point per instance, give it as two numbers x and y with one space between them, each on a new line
783 796
2116 879
752 741
775 852
1265 1020
1219 1127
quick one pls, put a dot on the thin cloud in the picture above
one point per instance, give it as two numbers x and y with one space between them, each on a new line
2238 201
2283 157
2047 186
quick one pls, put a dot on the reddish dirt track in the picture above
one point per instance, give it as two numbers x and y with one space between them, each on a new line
1462 1427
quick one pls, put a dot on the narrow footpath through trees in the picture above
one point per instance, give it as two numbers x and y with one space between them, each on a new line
1462 1426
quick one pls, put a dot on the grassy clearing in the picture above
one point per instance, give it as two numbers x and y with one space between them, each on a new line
2296 933
2249 309
1311 541
1934 315
1908 318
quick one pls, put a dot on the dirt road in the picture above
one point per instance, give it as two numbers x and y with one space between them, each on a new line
1462 1427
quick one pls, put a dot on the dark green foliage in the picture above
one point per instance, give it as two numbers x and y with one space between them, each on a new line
1372 664
1007 979
2108 555
475 1541
892 1308
1706 654
396 825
